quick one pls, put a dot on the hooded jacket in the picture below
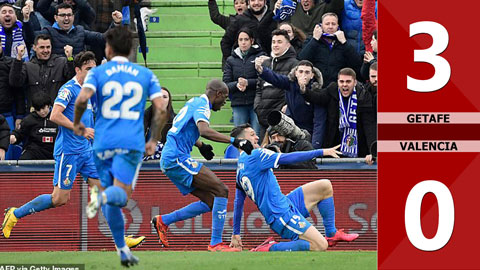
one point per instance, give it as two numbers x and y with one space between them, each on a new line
238 66
305 114
269 98
306 21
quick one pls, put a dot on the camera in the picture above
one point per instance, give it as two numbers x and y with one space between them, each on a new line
285 126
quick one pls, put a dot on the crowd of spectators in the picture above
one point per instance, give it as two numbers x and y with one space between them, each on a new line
318 66
297 65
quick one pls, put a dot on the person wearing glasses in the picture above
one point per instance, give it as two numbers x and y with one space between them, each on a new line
63 32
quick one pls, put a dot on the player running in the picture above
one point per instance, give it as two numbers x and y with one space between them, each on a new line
73 154
189 175
286 215
120 88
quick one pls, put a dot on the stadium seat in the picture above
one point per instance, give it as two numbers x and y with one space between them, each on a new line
231 152
16 152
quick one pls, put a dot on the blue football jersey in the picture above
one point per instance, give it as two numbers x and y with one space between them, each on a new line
184 131
67 142
255 176
121 89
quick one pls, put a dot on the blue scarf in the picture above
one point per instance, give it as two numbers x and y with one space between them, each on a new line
286 10
348 125
17 40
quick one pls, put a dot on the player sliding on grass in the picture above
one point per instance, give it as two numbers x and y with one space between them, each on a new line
284 214
189 175
73 154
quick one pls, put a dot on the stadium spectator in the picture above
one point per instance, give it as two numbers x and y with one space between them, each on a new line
46 72
63 32
147 123
83 12
241 78
14 33
257 18
369 57
222 20
36 130
305 115
310 13
297 37
280 143
344 100
372 89
285 215
4 137
34 20
269 98
103 11
351 22
12 99
329 50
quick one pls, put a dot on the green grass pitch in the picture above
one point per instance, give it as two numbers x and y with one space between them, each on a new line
196 260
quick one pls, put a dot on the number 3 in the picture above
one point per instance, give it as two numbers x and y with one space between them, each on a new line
442 68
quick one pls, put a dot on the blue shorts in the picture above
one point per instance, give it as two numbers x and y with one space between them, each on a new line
181 171
293 223
68 165
121 164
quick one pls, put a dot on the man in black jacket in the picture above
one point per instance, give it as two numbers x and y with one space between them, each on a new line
45 72
223 20
82 10
37 130
269 98
4 133
329 50
356 128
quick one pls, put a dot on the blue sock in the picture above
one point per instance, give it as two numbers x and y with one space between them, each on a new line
116 196
38 204
297 245
115 221
219 213
327 210
189 211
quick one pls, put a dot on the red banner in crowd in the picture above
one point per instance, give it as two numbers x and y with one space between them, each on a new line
67 228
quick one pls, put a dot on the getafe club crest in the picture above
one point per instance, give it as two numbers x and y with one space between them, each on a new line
66 182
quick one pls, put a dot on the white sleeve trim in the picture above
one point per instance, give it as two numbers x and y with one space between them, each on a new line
61 104
91 86
155 95
275 165
204 120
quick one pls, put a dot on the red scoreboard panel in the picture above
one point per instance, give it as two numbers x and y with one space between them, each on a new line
428 116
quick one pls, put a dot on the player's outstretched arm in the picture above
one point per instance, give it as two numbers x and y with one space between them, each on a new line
205 149
159 121
238 204
213 135
302 156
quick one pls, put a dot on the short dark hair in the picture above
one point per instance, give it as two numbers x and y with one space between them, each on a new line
305 63
42 37
247 31
348 72
62 6
374 66
82 58
120 39
40 99
238 130
375 34
281 32
6 5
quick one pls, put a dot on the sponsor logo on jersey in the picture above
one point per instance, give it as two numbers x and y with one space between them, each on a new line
64 94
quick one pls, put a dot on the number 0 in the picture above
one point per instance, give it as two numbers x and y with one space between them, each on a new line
442 68
446 215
